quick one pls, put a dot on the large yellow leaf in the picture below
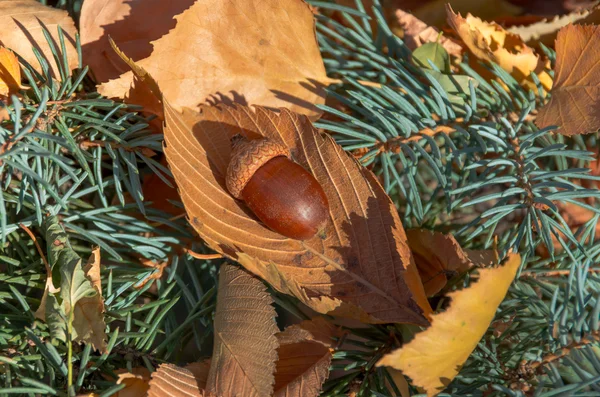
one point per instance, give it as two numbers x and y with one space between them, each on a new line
245 347
362 268
489 41
434 357
575 96
172 381
22 22
132 24
304 358
261 52
10 73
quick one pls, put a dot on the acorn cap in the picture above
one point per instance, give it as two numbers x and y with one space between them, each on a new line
247 156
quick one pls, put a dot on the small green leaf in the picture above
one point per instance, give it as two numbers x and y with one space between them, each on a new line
455 85
56 318
433 52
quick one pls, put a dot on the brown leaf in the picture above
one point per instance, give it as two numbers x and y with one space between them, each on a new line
172 381
245 348
132 24
10 73
439 258
22 24
265 54
575 96
361 269
88 314
136 382
416 33
304 358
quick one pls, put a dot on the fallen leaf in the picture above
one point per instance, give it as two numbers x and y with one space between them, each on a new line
132 24
545 31
305 352
172 381
489 42
439 258
575 98
399 381
245 347
266 54
23 22
455 85
10 73
434 357
136 382
435 53
361 269
88 316
433 13
416 33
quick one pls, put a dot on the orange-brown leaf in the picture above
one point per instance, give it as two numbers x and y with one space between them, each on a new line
133 25
172 381
136 382
304 358
245 348
10 72
439 257
22 24
359 269
265 53
575 96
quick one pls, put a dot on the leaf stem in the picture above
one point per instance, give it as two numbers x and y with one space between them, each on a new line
70 388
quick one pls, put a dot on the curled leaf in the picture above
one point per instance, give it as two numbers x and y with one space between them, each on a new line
245 348
575 96
361 268
434 357
250 59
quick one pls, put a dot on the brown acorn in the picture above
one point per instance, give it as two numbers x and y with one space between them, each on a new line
280 192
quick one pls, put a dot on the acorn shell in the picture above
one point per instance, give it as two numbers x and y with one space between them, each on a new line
247 156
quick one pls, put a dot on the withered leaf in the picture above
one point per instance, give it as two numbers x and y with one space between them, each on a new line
172 381
434 357
304 358
132 24
575 96
265 54
361 269
22 24
245 347
416 33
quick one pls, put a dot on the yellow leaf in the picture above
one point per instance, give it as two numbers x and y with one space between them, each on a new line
172 381
434 357
88 314
575 97
266 53
245 347
136 382
488 41
22 24
10 72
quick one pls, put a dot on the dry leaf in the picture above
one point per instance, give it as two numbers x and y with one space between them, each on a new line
488 41
245 348
132 24
575 96
88 315
136 382
22 24
304 358
434 357
361 269
10 73
265 54
545 31
439 258
172 381
433 13
416 33
399 381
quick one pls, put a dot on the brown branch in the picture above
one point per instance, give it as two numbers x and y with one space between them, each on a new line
37 246
557 355
144 150
202 256
394 145
552 273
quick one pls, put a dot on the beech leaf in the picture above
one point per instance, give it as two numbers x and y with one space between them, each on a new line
172 381
304 357
575 96
23 23
362 268
439 257
434 357
266 54
10 73
245 347
416 33
435 53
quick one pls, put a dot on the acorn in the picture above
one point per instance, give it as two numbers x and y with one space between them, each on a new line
281 193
